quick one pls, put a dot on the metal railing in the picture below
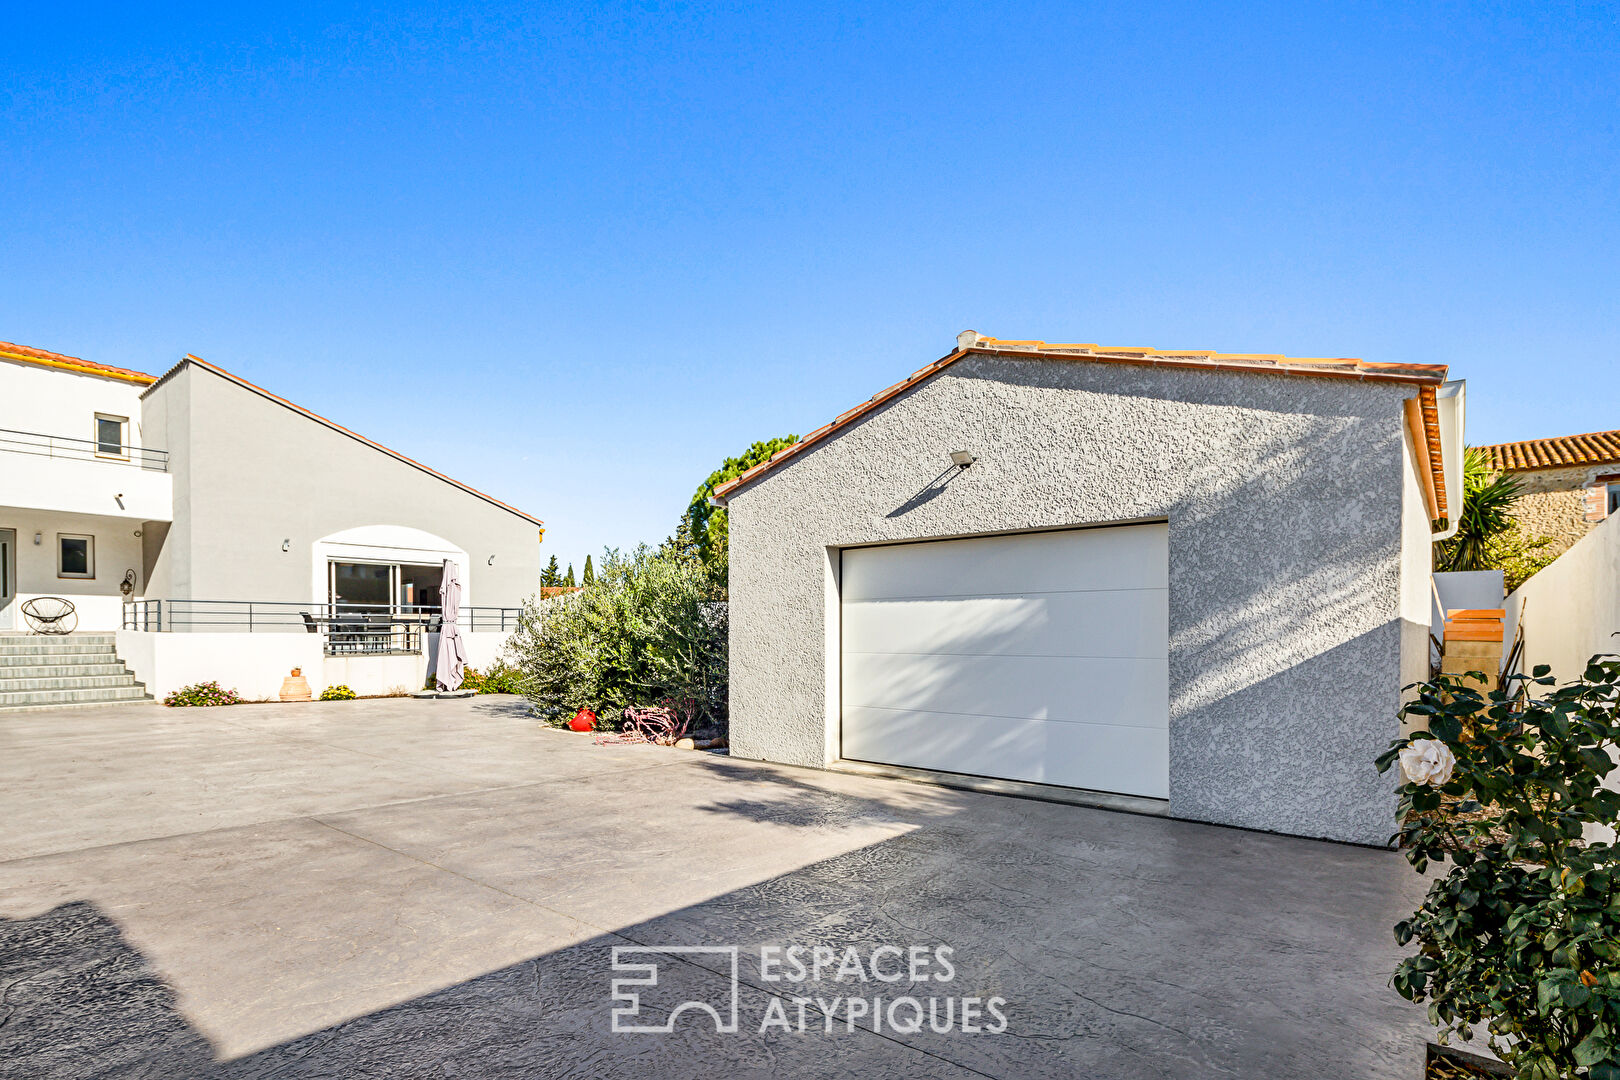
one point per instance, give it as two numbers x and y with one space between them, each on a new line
60 446
348 629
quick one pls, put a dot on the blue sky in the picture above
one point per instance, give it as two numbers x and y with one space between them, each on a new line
641 236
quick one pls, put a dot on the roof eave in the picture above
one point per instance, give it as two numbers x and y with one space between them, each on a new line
81 367
1429 376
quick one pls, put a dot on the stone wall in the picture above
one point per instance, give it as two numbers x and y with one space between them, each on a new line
1552 506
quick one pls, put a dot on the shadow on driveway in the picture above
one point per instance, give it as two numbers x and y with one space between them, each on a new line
1123 947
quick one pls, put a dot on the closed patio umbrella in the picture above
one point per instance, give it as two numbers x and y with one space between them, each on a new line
452 661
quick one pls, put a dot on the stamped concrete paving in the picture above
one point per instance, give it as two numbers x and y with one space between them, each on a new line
414 888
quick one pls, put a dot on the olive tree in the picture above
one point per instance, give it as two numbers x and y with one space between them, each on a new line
650 629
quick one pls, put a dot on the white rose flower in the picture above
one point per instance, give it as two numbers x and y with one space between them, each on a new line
1428 761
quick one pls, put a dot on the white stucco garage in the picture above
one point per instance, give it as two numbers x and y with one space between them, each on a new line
1196 580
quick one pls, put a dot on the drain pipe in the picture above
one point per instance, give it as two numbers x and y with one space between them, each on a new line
1450 401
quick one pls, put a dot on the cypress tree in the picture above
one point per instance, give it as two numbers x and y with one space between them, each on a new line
569 580
589 576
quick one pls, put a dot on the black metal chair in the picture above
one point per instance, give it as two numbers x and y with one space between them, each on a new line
50 615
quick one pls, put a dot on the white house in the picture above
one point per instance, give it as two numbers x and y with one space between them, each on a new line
221 532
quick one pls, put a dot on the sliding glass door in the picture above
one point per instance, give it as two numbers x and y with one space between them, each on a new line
384 588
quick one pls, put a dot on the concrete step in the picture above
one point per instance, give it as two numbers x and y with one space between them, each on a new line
14 710
28 698
90 668
68 682
85 654
9 639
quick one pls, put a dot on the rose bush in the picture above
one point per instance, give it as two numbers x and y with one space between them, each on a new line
1521 934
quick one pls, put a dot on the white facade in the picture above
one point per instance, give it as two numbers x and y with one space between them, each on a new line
229 535
74 469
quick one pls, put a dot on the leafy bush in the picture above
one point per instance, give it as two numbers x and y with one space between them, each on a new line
501 678
1522 934
337 693
651 627
203 693
1488 536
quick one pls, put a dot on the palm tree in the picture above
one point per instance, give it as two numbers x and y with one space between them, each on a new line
1486 516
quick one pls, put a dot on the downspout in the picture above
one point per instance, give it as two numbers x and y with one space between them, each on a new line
1450 401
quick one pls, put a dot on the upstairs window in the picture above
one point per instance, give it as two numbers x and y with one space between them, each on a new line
110 440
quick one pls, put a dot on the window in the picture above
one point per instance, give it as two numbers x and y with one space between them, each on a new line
1614 498
110 441
384 587
75 556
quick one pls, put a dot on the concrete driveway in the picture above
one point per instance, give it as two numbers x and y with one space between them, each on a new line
412 888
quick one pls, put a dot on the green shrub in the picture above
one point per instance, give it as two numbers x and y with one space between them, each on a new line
337 693
501 678
1522 933
203 693
652 626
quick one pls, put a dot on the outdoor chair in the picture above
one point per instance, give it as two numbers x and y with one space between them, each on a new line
50 615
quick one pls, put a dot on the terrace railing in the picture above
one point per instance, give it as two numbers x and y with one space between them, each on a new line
347 629
60 446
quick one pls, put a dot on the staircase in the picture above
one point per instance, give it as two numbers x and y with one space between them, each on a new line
38 671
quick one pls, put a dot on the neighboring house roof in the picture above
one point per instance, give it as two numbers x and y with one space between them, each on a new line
1594 448
239 381
29 355
1426 376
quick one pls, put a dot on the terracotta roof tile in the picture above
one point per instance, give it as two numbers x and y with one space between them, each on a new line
1595 448
30 355
968 342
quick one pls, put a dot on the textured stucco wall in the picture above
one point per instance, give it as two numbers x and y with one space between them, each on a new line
1284 499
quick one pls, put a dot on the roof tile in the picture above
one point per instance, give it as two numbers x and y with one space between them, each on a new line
1593 448
30 355
1428 375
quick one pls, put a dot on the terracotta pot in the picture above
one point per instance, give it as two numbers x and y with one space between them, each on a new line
295 687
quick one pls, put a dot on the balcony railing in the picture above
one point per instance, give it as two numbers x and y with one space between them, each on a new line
348 629
60 446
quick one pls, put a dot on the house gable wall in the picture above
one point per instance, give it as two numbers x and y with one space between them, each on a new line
1284 497
255 474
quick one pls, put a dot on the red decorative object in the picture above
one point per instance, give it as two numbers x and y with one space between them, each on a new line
584 720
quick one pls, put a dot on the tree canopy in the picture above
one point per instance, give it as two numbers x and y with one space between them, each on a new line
709 523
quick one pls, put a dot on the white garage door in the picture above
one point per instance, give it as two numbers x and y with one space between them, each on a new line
1041 657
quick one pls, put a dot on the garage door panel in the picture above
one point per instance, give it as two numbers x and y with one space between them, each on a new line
1116 558
1036 687
1128 760
1121 623
1040 657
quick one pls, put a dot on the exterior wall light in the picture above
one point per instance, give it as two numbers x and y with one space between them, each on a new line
286 545
964 458
37 539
